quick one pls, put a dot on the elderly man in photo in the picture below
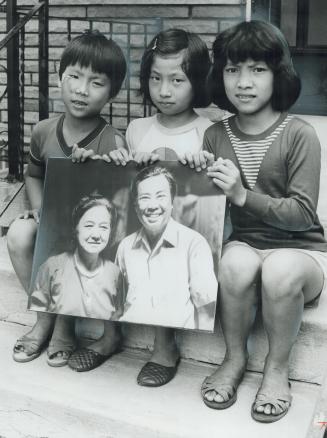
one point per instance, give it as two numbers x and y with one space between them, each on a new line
167 268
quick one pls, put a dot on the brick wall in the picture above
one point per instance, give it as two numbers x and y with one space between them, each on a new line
204 17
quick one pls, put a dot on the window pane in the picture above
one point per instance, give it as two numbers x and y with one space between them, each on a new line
313 72
288 20
317 32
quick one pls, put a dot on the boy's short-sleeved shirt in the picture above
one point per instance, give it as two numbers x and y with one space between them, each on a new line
48 140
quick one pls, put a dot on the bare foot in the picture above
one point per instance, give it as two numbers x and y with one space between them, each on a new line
222 384
31 344
275 381
43 327
63 341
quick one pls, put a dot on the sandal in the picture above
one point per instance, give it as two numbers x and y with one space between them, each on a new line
28 348
276 400
59 351
226 390
62 343
154 374
86 359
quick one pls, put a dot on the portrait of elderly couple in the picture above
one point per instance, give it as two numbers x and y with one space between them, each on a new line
133 244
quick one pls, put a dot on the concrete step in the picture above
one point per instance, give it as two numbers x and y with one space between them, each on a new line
13 200
40 401
308 359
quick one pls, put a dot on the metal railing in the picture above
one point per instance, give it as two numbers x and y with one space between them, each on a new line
132 37
12 144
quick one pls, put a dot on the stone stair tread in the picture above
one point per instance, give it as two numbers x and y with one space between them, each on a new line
38 400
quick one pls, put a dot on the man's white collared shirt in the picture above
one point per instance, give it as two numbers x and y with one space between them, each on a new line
165 285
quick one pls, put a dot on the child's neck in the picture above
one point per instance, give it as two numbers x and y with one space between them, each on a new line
254 124
177 120
75 130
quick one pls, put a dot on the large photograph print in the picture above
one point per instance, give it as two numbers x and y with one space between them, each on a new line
129 243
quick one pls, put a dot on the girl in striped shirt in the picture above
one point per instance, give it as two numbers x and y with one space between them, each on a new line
267 162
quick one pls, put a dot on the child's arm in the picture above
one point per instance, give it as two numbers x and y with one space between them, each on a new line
296 209
34 188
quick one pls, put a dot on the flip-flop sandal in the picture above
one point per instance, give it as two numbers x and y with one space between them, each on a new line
224 389
276 401
28 348
154 374
86 359
58 359
59 351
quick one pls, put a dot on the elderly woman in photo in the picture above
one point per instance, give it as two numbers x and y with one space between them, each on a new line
168 270
81 282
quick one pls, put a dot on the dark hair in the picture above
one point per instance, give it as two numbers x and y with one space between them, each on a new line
92 48
90 201
150 171
260 41
196 63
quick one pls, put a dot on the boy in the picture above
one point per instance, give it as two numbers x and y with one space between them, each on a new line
92 69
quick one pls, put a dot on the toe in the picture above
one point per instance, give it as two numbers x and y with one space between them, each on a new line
219 398
267 409
210 395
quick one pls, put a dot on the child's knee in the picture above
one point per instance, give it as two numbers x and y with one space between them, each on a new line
279 280
239 269
21 235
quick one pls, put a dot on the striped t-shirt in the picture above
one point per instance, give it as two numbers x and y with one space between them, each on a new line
250 154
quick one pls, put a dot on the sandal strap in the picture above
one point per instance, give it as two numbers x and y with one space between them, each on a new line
276 400
28 344
228 387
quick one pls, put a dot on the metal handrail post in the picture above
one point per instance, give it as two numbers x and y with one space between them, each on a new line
43 61
14 122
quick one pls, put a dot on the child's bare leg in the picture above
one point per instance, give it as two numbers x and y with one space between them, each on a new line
109 341
238 276
21 240
289 279
165 350
62 342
